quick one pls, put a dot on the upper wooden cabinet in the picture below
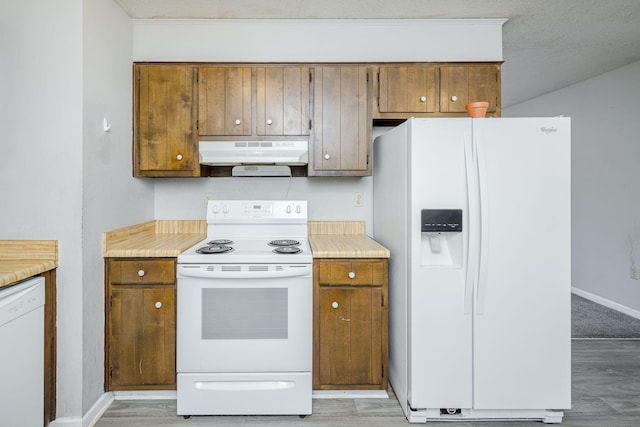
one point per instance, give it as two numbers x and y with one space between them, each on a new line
164 140
227 94
407 89
435 90
462 84
282 95
224 102
341 121
330 105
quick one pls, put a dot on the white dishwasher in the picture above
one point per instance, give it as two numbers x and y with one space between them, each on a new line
22 354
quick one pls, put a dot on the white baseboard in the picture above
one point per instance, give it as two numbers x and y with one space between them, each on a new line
145 395
607 303
102 404
66 422
93 415
90 418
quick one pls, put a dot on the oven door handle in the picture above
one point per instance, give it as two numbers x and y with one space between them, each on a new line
242 272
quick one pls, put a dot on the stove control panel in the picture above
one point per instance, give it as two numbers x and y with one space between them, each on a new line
239 210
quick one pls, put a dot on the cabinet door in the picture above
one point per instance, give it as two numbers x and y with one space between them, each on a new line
350 336
164 123
462 84
407 89
342 121
282 101
142 337
224 101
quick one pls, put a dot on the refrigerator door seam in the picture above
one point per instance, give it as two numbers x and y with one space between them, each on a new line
484 230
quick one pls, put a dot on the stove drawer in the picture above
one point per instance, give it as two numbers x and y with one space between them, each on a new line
266 393
132 271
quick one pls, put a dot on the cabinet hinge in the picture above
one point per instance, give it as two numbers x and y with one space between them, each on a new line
110 371
382 300
110 300
310 77
310 125
198 124
367 159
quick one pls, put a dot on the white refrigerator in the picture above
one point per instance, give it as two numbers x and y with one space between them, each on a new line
476 213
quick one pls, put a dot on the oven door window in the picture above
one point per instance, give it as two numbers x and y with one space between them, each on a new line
244 314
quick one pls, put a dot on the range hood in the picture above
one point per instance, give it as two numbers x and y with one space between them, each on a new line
236 153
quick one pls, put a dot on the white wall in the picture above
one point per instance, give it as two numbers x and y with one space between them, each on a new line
41 162
320 40
111 197
605 181
63 66
302 41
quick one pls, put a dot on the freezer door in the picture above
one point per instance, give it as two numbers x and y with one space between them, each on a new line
522 305
440 318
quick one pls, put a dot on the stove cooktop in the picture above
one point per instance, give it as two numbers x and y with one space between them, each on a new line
248 250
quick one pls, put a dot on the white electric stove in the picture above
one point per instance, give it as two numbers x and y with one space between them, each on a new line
244 329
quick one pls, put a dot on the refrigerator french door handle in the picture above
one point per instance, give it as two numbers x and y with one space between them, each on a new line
483 266
471 238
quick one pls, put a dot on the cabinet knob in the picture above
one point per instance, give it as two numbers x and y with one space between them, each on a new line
327 156
158 304
140 273
269 122
454 98
352 275
238 121
423 98
334 304
179 157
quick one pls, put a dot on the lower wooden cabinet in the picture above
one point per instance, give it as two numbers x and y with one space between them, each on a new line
140 343
350 324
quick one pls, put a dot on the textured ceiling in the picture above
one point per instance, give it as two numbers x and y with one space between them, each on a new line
548 44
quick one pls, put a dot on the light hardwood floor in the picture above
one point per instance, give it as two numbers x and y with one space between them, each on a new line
605 392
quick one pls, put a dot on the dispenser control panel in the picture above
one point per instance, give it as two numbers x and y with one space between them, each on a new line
437 220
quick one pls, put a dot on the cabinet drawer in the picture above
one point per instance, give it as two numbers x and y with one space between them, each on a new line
132 272
351 273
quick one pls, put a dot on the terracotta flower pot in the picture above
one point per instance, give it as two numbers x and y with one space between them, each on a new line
477 109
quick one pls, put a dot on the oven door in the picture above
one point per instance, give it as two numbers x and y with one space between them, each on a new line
243 318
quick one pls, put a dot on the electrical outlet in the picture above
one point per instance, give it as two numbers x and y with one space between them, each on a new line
635 273
207 197
358 200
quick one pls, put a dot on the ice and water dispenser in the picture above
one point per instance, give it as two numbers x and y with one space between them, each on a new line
441 238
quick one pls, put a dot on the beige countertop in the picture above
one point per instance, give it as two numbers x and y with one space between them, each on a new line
168 238
153 239
343 239
21 259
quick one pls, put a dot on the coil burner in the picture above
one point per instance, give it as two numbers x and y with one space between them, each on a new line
214 249
284 242
220 242
287 250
